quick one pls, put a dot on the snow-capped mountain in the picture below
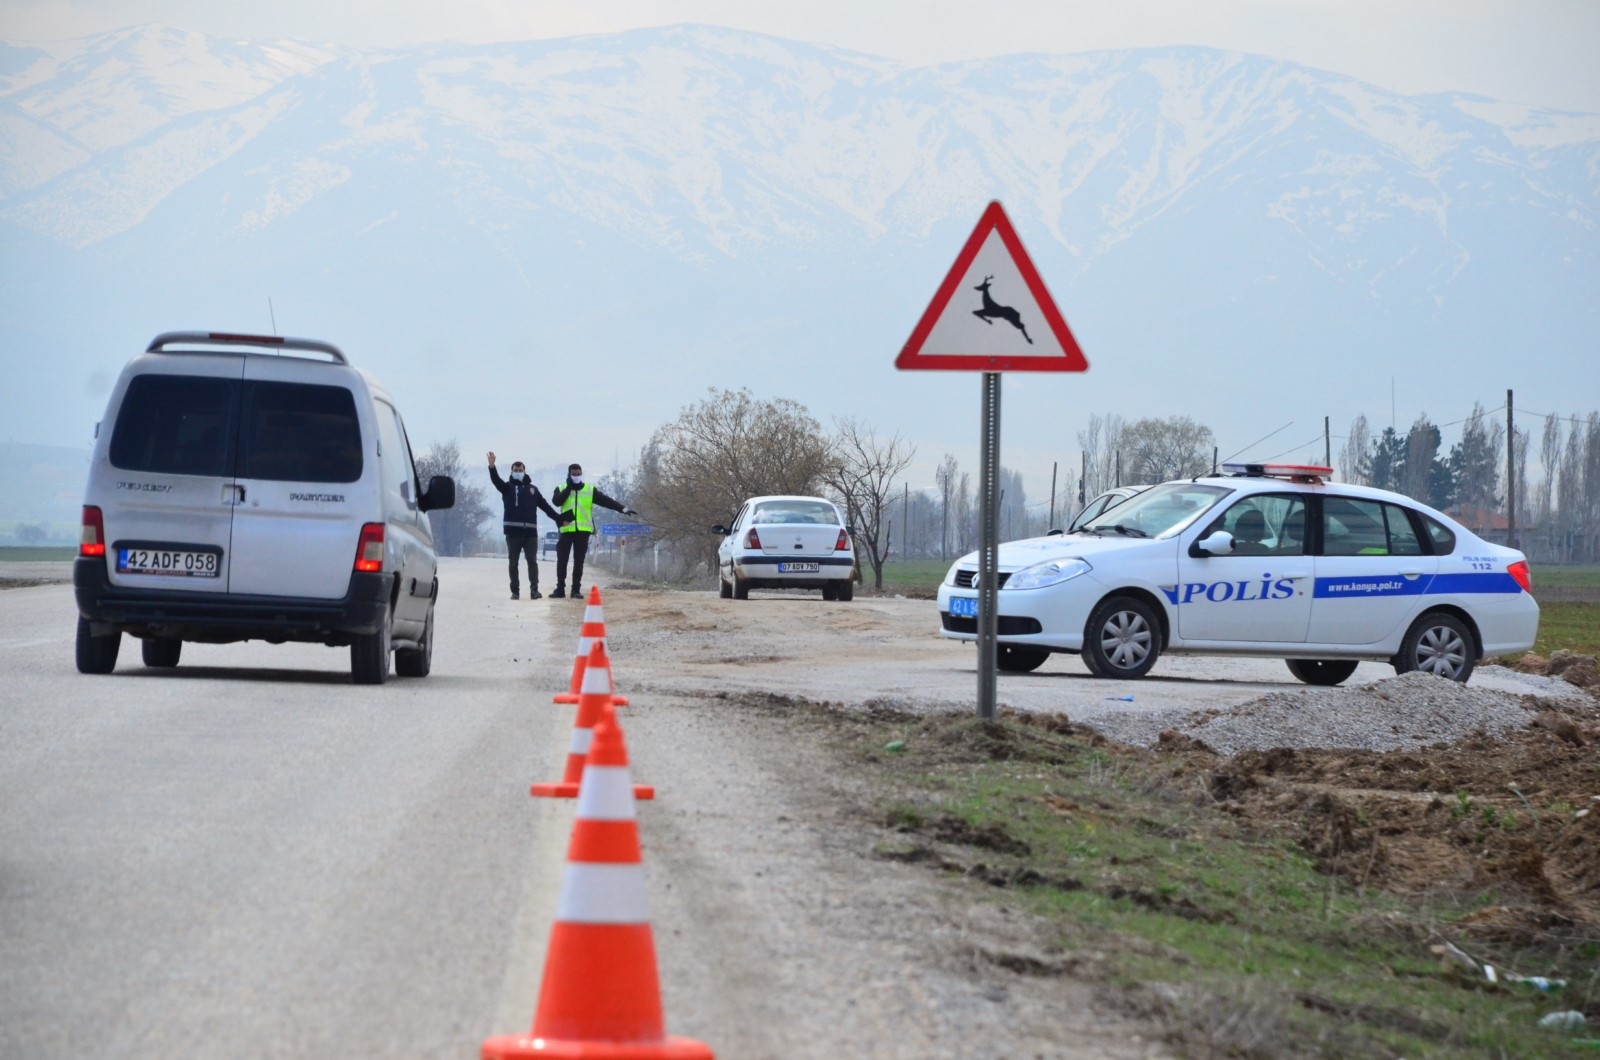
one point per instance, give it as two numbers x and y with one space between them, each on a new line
695 206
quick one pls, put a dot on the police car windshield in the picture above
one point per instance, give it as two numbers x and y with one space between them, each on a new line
1159 511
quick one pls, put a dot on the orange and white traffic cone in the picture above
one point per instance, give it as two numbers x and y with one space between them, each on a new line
593 701
593 632
601 996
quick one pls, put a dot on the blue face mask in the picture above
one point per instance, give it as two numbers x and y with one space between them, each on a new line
517 476
577 480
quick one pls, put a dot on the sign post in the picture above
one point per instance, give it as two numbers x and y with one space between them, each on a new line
988 332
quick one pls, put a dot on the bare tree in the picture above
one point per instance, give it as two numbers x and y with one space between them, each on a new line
966 517
946 478
1569 491
729 447
1355 461
1161 450
1550 461
1100 442
459 529
863 477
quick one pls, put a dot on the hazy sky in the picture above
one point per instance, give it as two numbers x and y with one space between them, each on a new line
1540 52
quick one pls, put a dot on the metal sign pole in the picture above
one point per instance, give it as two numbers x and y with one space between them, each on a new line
989 543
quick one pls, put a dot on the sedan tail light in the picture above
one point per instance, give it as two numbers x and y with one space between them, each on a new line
369 550
843 544
1521 575
752 539
92 539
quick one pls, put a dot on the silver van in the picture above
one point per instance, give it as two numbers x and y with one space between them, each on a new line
250 487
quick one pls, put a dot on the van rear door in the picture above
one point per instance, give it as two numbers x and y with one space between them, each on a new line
167 488
301 482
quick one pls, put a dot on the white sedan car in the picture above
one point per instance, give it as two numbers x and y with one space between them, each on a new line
1269 561
786 543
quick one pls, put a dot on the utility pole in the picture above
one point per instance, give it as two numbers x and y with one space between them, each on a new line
905 518
1052 521
1118 481
1327 444
1511 475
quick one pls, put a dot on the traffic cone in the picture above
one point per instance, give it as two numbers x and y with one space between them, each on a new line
593 632
595 698
601 996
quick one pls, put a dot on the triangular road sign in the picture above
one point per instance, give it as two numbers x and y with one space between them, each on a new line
992 312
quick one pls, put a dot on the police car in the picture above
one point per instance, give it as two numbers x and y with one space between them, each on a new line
1265 560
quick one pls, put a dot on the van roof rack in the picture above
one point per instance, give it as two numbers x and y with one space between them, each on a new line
160 343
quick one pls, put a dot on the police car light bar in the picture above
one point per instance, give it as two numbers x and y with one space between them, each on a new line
1296 472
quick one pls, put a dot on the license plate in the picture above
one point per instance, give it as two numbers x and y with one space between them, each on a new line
177 563
799 568
964 606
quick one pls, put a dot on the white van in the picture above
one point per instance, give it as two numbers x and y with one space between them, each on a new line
249 487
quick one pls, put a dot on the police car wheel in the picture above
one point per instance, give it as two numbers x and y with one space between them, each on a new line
1120 640
1321 671
724 589
741 588
1015 660
1438 643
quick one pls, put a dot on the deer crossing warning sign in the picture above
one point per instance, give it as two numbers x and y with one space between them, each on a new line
992 313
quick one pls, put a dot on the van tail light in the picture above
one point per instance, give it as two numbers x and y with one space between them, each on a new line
369 551
92 540
843 544
1521 575
752 539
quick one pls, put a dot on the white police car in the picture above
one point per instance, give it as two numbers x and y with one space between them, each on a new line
1266 560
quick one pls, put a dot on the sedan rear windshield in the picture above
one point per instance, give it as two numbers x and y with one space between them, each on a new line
225 428
818 513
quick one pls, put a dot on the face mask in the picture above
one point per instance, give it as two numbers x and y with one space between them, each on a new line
577 480
517 476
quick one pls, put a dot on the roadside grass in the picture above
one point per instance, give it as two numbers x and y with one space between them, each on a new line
1233 940
919 577
37 553
1572 625
1577 577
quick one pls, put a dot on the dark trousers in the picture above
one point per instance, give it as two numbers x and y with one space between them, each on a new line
576 544
523 545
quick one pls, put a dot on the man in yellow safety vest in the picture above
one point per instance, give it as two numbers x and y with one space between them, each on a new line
575 500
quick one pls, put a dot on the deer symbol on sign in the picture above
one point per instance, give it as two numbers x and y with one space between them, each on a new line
992 309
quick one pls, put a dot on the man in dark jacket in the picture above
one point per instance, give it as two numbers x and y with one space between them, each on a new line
522 500
577 499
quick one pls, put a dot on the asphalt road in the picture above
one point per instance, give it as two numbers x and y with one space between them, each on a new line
251 856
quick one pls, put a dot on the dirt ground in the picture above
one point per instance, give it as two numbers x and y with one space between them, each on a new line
1502 814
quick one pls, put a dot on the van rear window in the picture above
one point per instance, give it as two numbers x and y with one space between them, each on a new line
203 425
176 425
298 432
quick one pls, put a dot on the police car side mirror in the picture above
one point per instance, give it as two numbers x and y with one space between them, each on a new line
720 529
1219 543
440 494
1055 532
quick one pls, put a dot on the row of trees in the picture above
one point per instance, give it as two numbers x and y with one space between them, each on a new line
1558 510
697 470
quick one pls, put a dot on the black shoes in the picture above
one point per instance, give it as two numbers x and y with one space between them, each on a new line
534 594
560 593
514 594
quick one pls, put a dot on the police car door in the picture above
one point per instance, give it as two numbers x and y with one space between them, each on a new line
1260 592
301 487
1371 574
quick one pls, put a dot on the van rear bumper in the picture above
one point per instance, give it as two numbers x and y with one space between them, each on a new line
221 618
